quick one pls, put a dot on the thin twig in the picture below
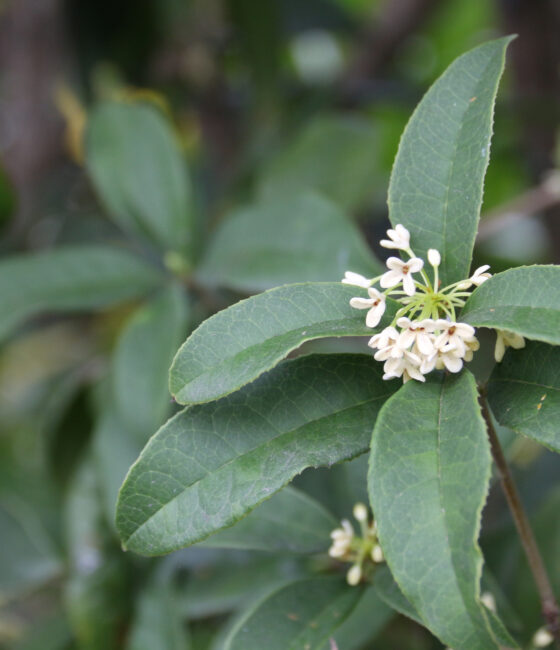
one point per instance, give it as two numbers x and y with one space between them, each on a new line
550 609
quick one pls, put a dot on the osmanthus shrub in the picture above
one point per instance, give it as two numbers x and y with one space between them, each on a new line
253 420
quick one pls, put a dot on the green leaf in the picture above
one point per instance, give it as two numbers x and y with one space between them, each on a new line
294 239
69 279
363 624
232 582
136 167
334 155
437 180
525 300
236 345
524 392
211 464
289 521
142 358
428 480
303 614
390 593
157 624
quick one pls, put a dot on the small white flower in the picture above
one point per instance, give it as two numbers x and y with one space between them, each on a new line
434 258
360 512
407 367
479 276
507 339
375 304
399 238
454 336
356 280
387 344
417 333
400 271
342 539
448 360
377 554
354 575
386 337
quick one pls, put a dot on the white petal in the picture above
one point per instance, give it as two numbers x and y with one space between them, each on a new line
374 314
402 233
395 264
361 303
452 363
404 322
387 243
464 331
408 285
428 364
390 279
406 339
374 294
425 344
414 373
415 264
356 280
500 348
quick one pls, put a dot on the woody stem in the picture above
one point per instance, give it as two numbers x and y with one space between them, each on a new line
550 609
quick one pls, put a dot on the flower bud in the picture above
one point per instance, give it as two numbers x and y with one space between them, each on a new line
354 575
434 258
360 512
377 554
542 638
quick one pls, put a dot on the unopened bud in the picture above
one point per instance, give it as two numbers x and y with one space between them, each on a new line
434 258
377 554
360 512
354 575
488 600
542 638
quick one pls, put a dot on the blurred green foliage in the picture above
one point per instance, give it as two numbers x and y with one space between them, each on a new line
206 121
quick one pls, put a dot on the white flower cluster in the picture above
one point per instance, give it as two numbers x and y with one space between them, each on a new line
429 336
348 547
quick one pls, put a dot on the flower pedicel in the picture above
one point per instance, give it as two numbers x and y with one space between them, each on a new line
430 337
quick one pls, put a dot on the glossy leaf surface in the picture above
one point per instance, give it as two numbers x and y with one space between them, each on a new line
437 180
236 345
213 463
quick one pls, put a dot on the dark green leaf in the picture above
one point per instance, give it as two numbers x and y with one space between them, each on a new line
289 521
524 392
70 278
211 464
363 624
294 239
303 614
231 582
525 300
389 592
142 358
238 344
138 171
437 180
336 156
428 480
